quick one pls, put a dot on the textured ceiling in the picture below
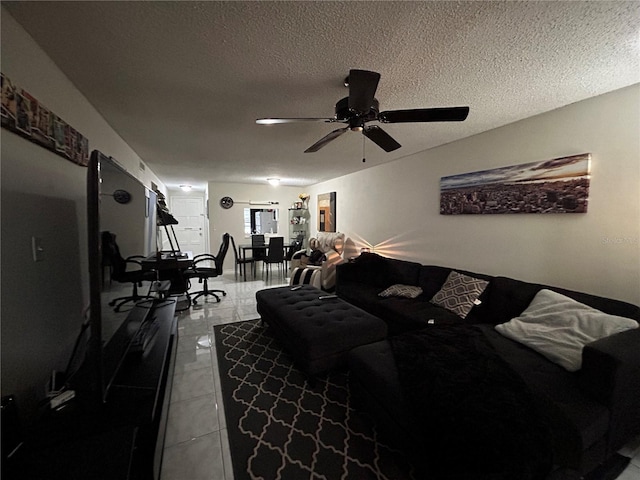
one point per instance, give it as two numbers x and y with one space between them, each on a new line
183 82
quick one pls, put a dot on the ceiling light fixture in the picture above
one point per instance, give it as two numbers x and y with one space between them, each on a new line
274 181
185 188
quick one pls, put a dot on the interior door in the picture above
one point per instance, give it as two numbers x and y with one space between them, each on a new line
189 211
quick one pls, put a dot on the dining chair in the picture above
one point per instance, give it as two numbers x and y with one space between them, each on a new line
275 254
258 254
241 262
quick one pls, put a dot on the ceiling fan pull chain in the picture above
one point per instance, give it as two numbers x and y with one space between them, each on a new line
363 157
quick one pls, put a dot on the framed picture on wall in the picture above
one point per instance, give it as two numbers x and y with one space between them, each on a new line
23 114
327 212
558 185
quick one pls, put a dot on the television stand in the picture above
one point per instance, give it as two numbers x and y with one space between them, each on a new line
122 438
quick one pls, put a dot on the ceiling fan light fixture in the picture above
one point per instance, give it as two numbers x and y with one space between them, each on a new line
185 188
274 181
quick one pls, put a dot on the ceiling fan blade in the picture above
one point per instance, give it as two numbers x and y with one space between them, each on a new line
326 139
450 114
380 138
273 121
362 89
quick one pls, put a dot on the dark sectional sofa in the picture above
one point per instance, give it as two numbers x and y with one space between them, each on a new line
591 413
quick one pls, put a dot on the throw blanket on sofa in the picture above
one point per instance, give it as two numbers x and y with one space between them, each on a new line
476 416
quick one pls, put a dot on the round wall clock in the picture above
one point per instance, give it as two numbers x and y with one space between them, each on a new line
226 202
122 196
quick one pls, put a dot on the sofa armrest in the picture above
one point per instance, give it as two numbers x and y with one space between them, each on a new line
610 374
331 261
298 259
349 272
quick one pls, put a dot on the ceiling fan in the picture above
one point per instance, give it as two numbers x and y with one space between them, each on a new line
361 107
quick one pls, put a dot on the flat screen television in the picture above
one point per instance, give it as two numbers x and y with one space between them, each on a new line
119 203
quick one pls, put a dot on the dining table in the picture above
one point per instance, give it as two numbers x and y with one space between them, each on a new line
244 247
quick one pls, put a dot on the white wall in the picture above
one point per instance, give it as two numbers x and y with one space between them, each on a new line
232 221
44 195
30 68
396 206
28 167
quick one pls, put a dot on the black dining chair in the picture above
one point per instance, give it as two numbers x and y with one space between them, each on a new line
258 254
204 273
275 254
242 262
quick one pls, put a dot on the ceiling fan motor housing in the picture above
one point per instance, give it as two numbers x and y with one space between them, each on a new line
344 114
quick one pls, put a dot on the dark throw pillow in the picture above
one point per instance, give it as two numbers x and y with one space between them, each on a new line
399 290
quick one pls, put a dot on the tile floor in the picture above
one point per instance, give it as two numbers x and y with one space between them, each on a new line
196 445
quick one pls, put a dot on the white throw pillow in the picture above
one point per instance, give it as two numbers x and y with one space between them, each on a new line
558 327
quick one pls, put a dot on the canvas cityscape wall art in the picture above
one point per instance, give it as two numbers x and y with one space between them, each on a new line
559 185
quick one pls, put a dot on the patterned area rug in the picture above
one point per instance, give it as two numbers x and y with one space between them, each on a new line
281 428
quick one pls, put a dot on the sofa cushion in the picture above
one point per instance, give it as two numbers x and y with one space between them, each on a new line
558 327
431 278
507 298
402 271
399 290
465 397
610 374
400 314
374 367
412 314
577 421
369 269
459 293
374 269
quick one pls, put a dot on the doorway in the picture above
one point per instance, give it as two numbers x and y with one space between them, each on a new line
191 230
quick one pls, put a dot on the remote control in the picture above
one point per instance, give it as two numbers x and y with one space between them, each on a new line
297 287
326 297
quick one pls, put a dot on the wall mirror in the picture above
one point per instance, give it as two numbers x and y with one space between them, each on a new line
260 221
327 212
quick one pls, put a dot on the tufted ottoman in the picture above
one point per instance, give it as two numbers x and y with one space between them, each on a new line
318 333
